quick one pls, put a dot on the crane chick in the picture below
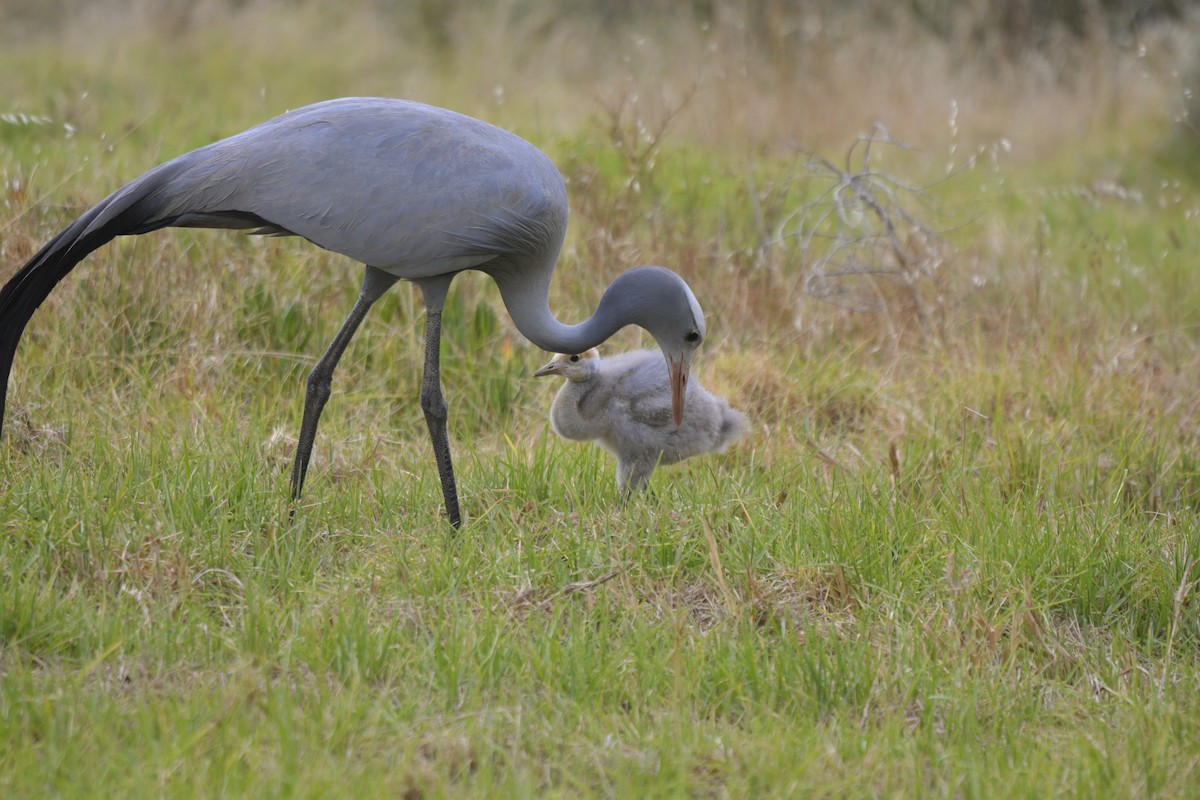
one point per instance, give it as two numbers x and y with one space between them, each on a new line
624 404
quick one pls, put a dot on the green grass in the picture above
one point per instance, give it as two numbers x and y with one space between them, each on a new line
960 565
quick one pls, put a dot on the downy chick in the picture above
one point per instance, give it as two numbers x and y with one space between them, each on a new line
623 403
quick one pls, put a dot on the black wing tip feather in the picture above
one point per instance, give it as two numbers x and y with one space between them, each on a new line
32 283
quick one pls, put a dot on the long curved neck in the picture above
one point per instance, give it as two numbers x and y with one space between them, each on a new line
528 305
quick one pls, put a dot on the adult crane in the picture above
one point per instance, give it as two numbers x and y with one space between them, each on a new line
412 191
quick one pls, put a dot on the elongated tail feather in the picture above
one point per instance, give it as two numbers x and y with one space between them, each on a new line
129 210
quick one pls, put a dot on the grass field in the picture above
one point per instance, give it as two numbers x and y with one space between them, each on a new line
955 557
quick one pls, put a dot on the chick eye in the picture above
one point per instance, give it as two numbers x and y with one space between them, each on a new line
692 337
574 359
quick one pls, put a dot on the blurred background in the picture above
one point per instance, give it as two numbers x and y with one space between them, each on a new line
754 73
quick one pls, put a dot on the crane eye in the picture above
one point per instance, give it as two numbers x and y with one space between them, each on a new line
574 359
692 337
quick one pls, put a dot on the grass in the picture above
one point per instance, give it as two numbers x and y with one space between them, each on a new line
952 564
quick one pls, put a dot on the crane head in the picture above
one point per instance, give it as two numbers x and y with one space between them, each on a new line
572 366
678 327
662 303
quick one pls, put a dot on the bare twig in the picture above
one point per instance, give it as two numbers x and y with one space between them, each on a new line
862 232
579 586
636 141
1185 586
731 600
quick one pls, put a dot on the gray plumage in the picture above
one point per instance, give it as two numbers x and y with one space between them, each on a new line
623 404
412 191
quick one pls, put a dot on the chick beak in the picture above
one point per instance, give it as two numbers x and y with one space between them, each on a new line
679 376
549 369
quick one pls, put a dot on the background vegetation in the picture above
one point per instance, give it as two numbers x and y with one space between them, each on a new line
955 557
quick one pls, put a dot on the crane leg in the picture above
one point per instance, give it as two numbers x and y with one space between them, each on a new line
633 477
432 401
318 386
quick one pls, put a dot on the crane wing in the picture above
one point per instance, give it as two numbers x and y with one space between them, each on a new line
457 192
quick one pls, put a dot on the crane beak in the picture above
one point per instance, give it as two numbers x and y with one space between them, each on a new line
679 376
548 369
